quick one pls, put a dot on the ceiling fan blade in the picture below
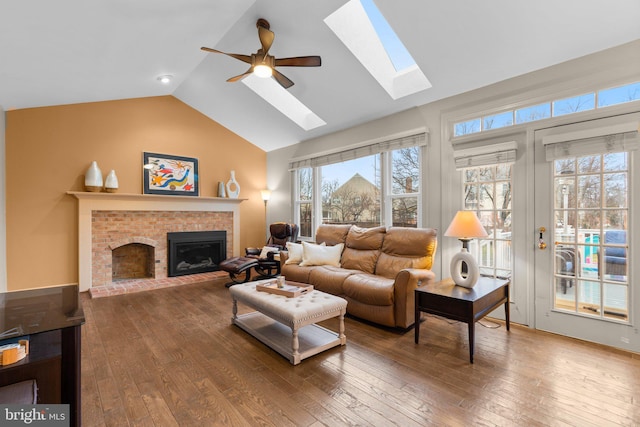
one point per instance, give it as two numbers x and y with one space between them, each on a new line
266 38
299 61
243 58
280 78
239 77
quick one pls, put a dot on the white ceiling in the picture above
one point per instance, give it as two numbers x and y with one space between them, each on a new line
74 51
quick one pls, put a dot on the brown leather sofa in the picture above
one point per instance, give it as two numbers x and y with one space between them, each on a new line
379 270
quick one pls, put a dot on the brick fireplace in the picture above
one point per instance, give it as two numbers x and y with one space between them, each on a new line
138 224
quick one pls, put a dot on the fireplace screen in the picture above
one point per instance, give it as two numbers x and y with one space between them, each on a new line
195 252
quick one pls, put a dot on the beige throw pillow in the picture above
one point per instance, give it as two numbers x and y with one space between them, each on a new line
295 252
266 250
321 255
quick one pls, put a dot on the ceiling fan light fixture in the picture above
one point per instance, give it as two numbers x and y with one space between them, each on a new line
262 71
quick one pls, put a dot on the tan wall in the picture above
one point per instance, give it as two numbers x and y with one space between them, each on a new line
49 149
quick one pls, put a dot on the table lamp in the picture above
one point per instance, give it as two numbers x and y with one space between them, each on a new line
465 226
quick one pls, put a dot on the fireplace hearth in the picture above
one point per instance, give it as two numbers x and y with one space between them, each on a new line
194 252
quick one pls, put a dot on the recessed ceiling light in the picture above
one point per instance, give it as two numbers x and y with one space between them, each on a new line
166 79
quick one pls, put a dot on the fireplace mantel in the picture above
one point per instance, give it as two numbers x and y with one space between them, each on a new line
89 202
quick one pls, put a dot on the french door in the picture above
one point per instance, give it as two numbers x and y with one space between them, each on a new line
585 195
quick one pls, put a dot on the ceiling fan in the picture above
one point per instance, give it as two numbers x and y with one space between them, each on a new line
263 64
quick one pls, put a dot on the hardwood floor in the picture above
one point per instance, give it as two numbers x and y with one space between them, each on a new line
170 357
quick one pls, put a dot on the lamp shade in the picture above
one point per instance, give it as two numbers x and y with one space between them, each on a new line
266 195
465 225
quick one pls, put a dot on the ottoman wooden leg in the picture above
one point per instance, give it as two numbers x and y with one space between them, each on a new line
295 346
342 336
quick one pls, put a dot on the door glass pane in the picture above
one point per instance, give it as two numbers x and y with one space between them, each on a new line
590 236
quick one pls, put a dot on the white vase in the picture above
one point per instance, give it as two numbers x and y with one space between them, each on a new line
111 182
233 188
93 178
221 191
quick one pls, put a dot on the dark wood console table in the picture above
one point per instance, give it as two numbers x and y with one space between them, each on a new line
51 318
446 299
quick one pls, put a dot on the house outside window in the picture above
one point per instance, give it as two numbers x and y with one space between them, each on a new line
369 186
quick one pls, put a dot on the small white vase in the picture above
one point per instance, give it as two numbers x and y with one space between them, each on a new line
221 191
233 188
111 182
93 178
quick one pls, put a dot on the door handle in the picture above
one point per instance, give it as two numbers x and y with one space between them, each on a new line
541 244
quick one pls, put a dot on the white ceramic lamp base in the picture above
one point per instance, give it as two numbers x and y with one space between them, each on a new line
473 272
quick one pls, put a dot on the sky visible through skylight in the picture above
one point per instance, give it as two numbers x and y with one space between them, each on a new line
399 55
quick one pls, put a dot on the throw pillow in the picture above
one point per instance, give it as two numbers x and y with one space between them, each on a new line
295 252
321 255
266 250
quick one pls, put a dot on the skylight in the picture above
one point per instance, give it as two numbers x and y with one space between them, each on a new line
282 100
398 54
366 33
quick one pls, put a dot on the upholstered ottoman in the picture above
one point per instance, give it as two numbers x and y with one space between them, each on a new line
236 266
287 325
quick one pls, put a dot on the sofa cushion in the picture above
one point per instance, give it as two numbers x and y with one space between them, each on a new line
365 238
369 289
406 248
332 234
329 279
362 248
313 254
295 273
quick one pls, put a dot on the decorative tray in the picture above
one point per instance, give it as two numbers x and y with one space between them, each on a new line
289 289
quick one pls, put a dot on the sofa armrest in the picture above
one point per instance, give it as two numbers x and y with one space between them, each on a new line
284 256
405 285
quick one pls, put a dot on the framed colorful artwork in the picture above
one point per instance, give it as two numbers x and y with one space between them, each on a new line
169 175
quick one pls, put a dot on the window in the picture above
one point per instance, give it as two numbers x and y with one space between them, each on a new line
559 107
530 114
619 95
304 201
351 192
370 185
405 186
488 192
573 105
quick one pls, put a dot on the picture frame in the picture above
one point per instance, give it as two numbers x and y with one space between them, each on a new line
167 174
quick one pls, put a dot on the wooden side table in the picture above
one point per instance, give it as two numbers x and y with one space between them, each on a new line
445 299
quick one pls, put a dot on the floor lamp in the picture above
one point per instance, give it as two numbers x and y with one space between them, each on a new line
266 195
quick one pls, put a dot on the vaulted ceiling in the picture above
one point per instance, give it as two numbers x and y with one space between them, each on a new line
75 51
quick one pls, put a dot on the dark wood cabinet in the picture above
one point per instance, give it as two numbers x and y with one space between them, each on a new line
51 319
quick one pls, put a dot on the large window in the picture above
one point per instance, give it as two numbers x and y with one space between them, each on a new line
351 192
373 185
488 192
